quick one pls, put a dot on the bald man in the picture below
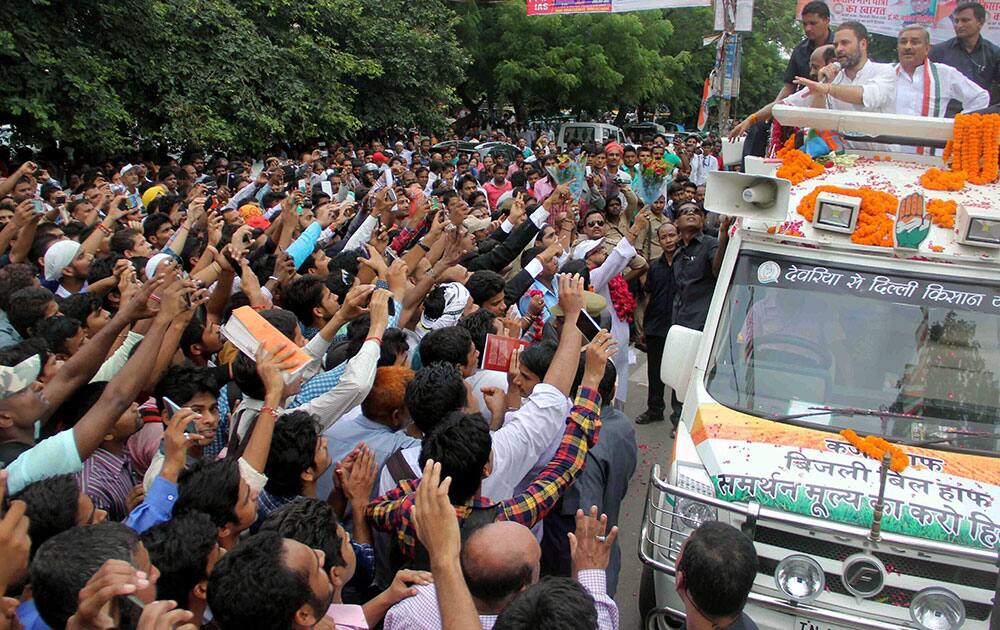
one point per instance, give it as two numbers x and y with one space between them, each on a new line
499 561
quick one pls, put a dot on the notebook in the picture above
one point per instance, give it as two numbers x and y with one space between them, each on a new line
497 351
246 329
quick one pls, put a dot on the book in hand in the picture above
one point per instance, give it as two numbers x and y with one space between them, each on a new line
246 330
497 352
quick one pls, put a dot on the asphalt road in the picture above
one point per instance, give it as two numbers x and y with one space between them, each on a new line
655 446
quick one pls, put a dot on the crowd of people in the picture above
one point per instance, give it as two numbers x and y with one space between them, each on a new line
410 474
157 476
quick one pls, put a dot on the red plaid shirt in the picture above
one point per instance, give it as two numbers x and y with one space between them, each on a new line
393 511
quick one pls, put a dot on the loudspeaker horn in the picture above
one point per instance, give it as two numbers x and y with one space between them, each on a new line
749 196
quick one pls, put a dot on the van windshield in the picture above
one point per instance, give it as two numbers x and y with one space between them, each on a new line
795 336
581 134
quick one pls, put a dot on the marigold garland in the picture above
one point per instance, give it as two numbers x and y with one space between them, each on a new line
797 166
973 153
875 448
875 218
942 212
936 179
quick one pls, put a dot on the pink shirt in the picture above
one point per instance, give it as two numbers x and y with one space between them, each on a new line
347 617
493 192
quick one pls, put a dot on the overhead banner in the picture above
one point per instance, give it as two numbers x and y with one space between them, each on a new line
556 7
887 17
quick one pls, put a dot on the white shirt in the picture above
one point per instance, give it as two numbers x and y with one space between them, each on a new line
522 441
701 166
486 378
878 81
951 84
421 612
616 263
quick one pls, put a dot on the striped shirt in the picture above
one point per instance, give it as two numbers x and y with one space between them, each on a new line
393 511
107 479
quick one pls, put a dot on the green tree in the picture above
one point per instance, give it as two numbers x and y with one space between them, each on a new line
540 64
107 75
419 58
581 62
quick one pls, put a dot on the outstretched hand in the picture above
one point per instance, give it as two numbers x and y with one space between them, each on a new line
434 517
589 548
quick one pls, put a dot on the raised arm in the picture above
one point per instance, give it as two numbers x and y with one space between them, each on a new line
562 370
270 362
582 428
123 389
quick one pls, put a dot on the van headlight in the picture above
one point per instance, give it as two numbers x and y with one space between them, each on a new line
689 514
936 608
694 513
800 578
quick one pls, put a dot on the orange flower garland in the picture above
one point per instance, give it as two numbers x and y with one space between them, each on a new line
973 152
797 166
942 212
875 219
875 448
988 169
936 179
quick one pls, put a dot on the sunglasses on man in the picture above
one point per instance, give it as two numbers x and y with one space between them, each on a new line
597 223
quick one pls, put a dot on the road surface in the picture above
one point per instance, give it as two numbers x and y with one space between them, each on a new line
655 446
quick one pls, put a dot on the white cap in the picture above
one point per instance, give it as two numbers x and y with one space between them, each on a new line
154 262
59 256
126 169
583 249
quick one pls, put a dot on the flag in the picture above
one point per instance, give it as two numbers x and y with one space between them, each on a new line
944 10
708 99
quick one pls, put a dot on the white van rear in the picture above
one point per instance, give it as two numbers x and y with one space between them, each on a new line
598 133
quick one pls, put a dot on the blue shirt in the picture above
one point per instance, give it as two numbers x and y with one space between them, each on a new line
28 615
8 335
344 435
156 508
549 296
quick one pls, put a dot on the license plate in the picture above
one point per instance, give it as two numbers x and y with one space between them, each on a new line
805 623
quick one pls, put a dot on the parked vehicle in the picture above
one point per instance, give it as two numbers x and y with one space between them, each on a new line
586 132
810 334
638 131
482 149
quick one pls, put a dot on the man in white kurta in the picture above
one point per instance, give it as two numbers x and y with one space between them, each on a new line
604 267
924 88
854 82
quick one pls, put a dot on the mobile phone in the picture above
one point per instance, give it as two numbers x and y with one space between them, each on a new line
38 206
587 325
302 186
169 409
435 204
391 194
60 199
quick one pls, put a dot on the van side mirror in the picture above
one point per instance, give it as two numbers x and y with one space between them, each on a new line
679 353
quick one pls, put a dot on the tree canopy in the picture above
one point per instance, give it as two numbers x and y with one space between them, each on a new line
110 74
107 75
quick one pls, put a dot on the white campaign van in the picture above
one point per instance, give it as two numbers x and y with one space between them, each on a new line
584 132
809 334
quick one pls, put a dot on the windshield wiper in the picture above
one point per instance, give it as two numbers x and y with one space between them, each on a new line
955 435
846 411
